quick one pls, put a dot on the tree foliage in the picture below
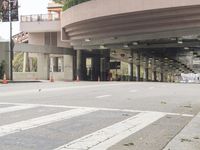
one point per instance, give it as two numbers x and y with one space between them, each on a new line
18 62
69 3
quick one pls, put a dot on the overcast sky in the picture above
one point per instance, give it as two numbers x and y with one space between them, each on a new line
27 7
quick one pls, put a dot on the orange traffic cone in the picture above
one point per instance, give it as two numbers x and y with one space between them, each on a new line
77 78
5 81
51 78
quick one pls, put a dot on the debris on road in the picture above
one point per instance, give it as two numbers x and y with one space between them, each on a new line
185 140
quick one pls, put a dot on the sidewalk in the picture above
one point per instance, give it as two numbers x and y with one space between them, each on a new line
188 138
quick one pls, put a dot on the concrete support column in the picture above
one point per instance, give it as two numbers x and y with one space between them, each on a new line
79 63
68 67
105 65
154 65
43 66
131 67
161 71
146 69
137 66
95 68
26 66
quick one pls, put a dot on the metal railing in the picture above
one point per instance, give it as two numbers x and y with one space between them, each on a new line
40 17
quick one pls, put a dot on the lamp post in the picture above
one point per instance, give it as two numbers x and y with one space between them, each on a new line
10 43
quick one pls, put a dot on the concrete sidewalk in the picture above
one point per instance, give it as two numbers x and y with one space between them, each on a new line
188 138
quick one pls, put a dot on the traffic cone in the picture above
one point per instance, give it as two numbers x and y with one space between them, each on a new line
5 81
51 78
77 78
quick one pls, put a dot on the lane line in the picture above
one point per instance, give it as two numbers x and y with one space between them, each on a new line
44 120
16 108
107 137
104 109
103 96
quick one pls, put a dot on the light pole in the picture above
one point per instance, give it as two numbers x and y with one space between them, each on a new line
10 43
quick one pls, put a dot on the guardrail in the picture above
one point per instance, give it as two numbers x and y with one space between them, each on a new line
40 17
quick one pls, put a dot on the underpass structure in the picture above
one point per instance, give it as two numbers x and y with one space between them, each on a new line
153 41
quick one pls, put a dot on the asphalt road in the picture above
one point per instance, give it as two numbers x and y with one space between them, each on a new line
97 115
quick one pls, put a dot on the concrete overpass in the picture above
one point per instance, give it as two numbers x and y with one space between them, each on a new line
160 37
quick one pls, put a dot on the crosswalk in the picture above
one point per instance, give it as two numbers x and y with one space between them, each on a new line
70 127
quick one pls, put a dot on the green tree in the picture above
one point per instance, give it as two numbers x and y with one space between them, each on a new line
69 3
18 62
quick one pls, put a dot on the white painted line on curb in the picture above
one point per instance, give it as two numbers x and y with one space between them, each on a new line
103 96
44 120
107 137
16 108
104 109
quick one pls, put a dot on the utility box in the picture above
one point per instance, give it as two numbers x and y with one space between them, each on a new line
4 56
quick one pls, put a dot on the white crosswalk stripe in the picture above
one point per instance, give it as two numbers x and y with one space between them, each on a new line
16 108
105 138
44 120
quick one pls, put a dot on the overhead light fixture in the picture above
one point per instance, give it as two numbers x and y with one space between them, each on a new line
102 47
180 41
173 39
135 43
87 40
126 46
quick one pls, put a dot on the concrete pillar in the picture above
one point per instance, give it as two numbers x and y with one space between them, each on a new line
68 67
137 66
95 67
154 65
79 63
131 66
26 66
146 69
105 65
43 65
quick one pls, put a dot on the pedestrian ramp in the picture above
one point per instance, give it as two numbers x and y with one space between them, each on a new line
60 127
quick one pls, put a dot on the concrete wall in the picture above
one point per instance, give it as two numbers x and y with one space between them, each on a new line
4 55
40 26
61 43
36 38
25 76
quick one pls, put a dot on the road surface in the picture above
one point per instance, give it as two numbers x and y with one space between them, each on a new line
99 116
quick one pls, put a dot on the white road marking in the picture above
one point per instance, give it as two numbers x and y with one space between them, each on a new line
103 96
133 91
151 88
105 138
104 109
44 120
16 108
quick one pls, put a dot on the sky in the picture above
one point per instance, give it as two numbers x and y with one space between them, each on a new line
26 7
